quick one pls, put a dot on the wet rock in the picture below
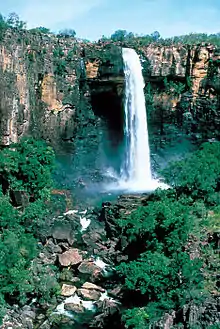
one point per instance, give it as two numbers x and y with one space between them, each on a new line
121 258
62 230
28 312
74 220
92 286
123 207
45 325
74 307
19 198
19 318
91 240
70 257
116 292
89 294
88 267
41 317
68 290
47 258
64 245
107 306
52 247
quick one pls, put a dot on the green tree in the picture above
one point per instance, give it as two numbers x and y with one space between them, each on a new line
67 33
17 249
168 270
119 35
27 166
41 29
13 20
155 36
198 175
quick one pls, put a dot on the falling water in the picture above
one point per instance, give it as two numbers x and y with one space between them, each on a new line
135 174
136 167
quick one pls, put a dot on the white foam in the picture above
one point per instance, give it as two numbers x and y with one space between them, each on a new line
83 212
98 262
104 296
84 223
70 212
75 299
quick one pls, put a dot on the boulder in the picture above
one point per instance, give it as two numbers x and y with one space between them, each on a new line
68 290
47 258
70 257
116 292
89 294
52 247
88 267
92 286
74 307
107 307
62 230
28 312
91 240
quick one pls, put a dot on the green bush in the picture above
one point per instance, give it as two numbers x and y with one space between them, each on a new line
198 175
27 166
169 268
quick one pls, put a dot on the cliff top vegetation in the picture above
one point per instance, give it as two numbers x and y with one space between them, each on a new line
120 36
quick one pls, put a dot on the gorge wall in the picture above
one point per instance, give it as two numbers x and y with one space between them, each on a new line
44 85
67 91
184 87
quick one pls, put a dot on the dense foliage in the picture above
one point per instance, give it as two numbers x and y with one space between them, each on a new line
136 40
27 166
123 36
167 248
25 169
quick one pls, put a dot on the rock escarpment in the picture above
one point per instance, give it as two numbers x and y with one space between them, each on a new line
44 87
184 87
68 92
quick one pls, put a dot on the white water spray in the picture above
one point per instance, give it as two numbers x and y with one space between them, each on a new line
136 169
135 173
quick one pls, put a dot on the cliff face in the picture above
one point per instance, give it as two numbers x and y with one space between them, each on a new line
32 100
184 93
60 89
44 85
182 62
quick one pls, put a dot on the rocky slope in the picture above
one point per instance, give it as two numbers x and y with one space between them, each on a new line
80 249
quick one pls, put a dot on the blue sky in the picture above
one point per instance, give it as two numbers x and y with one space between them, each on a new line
93 18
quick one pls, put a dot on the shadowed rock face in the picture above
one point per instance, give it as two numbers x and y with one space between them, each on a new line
46 84
59 89
198 64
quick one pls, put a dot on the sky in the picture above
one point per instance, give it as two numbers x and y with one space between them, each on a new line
93 18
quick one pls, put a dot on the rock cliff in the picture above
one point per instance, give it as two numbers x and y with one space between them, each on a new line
44 87
61 89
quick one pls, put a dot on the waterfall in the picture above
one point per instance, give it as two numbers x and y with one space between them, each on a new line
136 169
135 173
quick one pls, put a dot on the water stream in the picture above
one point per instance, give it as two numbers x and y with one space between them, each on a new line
136 172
